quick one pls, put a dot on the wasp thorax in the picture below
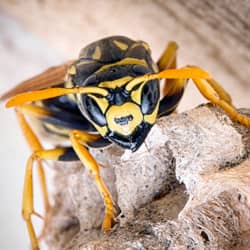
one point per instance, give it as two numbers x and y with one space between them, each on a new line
123 119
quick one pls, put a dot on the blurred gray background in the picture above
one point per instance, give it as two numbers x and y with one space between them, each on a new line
37 34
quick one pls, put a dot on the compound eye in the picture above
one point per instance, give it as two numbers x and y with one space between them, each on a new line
150 96
93 111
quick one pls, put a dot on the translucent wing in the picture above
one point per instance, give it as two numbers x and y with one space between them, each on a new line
51 77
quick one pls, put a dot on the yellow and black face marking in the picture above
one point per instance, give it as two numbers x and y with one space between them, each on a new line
122 116
109 94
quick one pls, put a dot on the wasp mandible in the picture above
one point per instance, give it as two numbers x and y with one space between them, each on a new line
110 94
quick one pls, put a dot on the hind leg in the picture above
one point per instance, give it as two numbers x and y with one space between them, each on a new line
28 208
212 91
173 88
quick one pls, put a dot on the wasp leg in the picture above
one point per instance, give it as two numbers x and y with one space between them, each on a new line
57 154
173 88
168 60
212 91
220 91
169 103
168 57
78 138
27 210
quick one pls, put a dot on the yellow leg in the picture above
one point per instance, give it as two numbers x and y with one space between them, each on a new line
28 202
28 186
220 91
215 93
168 58
78 138
27 206
173 88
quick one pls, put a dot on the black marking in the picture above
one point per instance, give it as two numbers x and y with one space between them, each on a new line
68 155
100 143
84 69
123 120
109 51
140 70
93 110
168 103
133 141
66 114
150 96
118 96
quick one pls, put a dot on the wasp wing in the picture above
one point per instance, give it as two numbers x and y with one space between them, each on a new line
50 77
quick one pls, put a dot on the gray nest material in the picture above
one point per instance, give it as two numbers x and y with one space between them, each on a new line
187 187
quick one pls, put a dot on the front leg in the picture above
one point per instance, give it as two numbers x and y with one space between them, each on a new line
78 138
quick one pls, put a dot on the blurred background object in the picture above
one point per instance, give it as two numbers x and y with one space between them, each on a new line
36 34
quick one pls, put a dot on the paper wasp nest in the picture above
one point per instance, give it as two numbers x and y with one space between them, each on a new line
200 148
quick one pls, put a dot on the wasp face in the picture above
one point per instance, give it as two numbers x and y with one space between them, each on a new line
124 116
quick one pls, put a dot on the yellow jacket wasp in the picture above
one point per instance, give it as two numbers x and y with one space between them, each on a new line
111 94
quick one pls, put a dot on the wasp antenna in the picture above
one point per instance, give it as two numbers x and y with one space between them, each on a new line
51 93
182 73
92 90
38 95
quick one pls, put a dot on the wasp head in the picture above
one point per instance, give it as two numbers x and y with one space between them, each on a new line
126 114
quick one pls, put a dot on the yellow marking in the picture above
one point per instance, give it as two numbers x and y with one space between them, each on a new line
97 53
86 61
125 61
116 83
155 67
136 81
92 90
127 109
57 130
72 70
102 130
136 94
151 118
102 103
120 45
141 43
146 46
68 84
